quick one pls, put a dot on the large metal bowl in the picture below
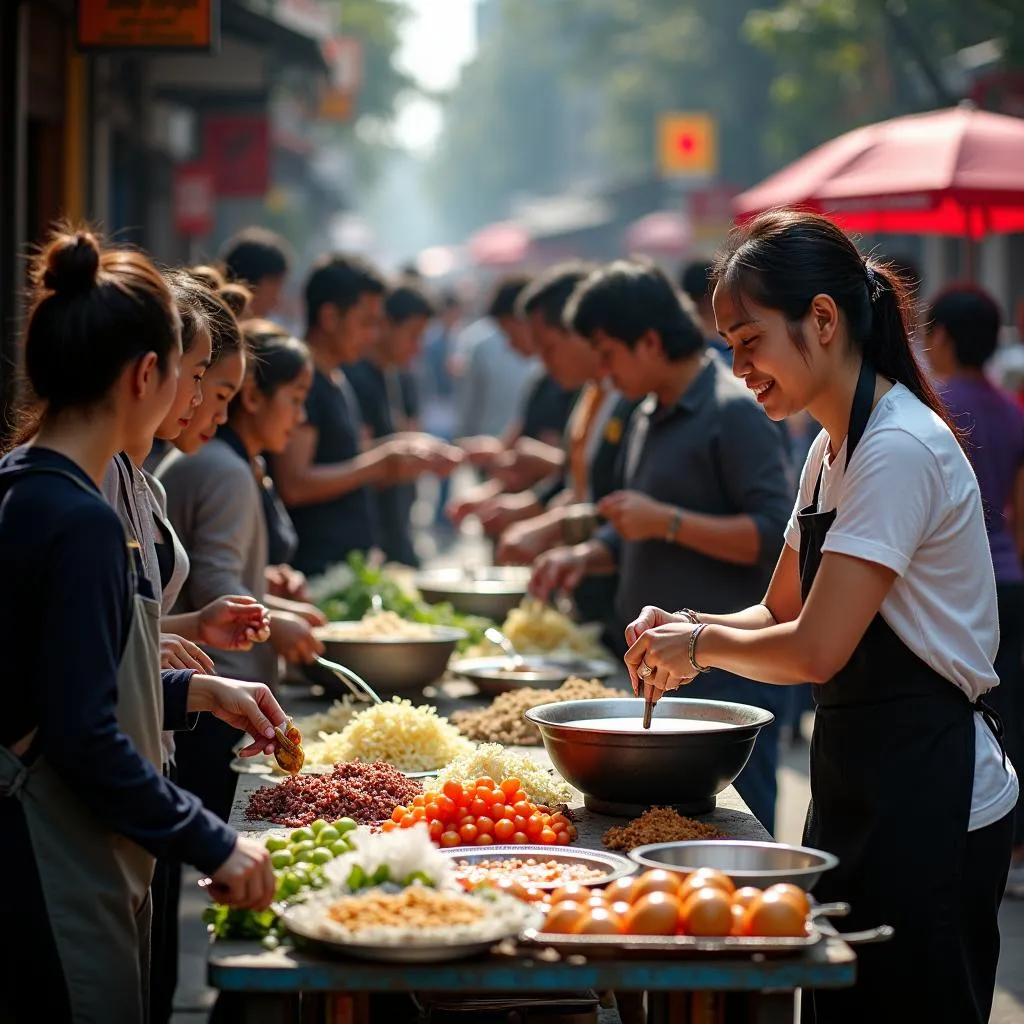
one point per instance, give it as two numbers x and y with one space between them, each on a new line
389 665
622 773
539 671
491 592
746 863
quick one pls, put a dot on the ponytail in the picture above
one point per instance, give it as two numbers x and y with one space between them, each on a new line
887 344
782 259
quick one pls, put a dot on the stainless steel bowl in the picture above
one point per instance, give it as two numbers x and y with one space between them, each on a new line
746 863
540 671
622 773
389 665
491 592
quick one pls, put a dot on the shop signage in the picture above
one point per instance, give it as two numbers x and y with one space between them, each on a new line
344 58
687 145
194 200
148 25
236 148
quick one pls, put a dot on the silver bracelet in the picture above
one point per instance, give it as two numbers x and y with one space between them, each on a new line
698 629
690 615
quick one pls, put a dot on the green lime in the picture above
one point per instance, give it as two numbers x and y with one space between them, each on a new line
305 857
327 835
344 825
276 843
317 825
300 834
291 883
340 846
281 859
322 856
304 844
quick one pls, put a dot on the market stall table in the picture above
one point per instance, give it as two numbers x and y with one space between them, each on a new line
696 990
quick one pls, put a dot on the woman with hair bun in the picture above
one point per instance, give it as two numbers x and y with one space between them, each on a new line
84 807
884 597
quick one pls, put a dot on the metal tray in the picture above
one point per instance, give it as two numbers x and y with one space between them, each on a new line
618 946
549 671
614 865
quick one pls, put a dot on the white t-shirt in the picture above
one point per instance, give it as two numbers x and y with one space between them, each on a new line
909 500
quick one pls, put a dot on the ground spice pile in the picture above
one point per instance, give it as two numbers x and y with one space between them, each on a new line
658 825
503 721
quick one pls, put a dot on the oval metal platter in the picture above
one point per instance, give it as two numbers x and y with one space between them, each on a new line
611 864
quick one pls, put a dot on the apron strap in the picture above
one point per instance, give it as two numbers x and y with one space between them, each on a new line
863 398
994 721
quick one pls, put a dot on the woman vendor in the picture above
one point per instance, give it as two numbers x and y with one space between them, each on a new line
884 598
84 807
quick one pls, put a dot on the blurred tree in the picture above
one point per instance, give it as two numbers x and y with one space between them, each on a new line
841 63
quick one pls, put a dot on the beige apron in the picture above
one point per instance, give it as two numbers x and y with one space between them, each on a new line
95 882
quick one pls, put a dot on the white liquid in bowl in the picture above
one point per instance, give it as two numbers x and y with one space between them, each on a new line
671 725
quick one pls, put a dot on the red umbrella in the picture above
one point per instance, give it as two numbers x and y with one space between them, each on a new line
662 233
948 172
500 245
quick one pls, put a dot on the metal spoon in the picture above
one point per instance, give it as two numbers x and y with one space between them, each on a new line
376 603
358 686
495 635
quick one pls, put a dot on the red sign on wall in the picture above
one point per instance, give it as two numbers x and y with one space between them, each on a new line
237 150
194 200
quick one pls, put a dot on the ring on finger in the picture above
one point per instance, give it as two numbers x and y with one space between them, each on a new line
645 670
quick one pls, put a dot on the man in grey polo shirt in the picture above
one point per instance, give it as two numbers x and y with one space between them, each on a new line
706 484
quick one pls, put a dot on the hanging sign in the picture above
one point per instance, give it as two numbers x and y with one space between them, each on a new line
192 25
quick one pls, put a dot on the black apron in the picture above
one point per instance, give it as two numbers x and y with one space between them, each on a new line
892 777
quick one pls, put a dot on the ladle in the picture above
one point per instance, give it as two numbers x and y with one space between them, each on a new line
358 686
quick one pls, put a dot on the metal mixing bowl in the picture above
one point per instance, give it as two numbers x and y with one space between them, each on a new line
623 773
389 665
746 863
491 592
540 671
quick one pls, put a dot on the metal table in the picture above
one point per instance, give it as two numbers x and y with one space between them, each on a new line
685 991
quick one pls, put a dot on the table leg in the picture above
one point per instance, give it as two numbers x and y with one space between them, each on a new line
778 1008
265 1008
631 1007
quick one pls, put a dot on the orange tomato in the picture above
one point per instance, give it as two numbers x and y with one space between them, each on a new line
510 786
504 830
621 889
772 914
564 918
704 877
656 881
742 898
597 900
793 893
654 914
708 911
599 921
739 918
620 907
513 888
571 891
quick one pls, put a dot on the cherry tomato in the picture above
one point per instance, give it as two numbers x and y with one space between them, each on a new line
419 813
484 839
397 814
419 800
450 839
445 807
452 790
407 821
436 830
520 838
524 808
520 823
547 837
534 825
479 807
388 826
504 830
497 810
430 797
485 825
485 782
484 793
510 787
433 812
468 833
561 838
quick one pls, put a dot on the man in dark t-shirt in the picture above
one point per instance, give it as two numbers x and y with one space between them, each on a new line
325 476
378 388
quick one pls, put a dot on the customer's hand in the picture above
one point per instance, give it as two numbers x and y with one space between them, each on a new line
284 581
635 516
292 637
250 707
523 542
246 879
177 652
558 569
234 623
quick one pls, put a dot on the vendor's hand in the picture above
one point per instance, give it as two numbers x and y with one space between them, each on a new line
559 569
648 619
292 637
440 459
284 581
234 623
250 707
522 543
481 451
309 612
177 652
246 879
497 514
635 516
666 650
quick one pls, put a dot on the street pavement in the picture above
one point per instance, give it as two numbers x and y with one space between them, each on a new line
194 999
